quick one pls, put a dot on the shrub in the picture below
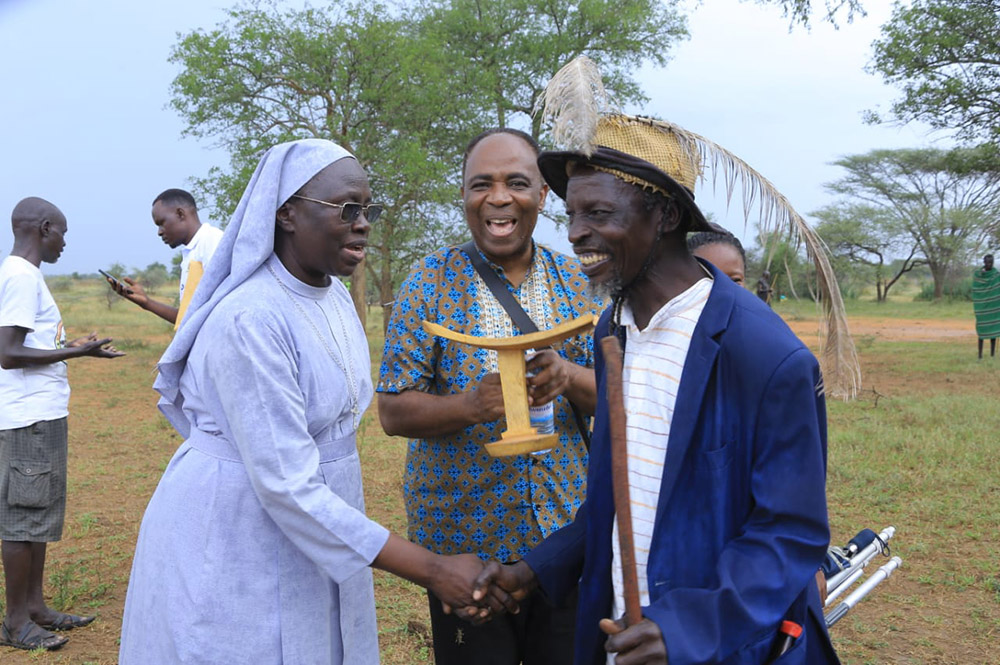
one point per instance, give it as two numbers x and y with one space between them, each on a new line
959 290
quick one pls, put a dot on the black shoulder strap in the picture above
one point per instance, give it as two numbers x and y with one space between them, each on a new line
517 315
500 292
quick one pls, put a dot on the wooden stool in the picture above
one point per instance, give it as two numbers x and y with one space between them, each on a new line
520 437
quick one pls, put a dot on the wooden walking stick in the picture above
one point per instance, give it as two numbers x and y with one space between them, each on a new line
619 476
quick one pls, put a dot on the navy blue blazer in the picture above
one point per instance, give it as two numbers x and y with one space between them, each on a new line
741 526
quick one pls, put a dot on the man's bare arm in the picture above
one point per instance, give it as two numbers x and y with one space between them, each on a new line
15 355
133 291
420 415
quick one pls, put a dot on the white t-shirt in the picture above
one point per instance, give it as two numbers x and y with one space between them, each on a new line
201 248
38 393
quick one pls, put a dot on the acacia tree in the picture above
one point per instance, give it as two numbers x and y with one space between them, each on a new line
945 202
784 257
945 57
866 235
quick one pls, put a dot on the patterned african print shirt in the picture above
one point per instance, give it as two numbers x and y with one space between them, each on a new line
458 498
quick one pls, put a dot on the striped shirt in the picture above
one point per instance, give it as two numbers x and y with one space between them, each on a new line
986 302
654 361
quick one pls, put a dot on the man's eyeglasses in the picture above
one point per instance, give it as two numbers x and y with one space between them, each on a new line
349 212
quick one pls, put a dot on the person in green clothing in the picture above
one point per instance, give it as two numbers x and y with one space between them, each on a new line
986 304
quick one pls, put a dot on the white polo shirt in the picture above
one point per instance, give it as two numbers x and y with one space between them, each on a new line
38 393
651 378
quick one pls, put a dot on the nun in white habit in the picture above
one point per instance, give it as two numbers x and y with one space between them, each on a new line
255 547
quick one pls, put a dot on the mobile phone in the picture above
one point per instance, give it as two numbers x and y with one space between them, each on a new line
115 282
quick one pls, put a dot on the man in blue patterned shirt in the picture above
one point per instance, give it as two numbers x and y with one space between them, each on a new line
446 398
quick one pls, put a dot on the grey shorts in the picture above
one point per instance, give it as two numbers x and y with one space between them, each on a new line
33 482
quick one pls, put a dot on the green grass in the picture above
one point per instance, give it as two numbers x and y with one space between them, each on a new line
922 455
896 307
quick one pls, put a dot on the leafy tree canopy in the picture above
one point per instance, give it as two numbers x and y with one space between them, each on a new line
944 56
946 202
869 235
402 87
800 11
504 53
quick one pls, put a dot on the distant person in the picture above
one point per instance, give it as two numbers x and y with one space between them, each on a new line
986 304
34 403
722 249
176 217
764 287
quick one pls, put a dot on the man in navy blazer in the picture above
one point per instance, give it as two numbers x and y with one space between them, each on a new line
740 521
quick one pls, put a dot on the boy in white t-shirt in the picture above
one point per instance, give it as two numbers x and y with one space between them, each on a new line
34 403
175 214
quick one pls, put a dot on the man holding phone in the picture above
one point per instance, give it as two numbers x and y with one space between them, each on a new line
175 214
34 404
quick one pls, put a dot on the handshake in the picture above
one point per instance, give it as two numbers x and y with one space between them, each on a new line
476 592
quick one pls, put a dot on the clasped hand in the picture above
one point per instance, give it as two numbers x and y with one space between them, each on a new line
548 377
496 589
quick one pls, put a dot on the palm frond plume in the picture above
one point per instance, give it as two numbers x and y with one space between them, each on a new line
573 129
841 367
575 99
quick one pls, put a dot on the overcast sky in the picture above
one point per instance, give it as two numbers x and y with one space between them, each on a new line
84 119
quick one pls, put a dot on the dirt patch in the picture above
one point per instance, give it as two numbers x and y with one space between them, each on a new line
893 330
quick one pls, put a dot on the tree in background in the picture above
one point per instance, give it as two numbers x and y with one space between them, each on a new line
869 236
504 53
118 270
175 265
792 274
800 11
153 277
945 202
403 88
358 74
945 57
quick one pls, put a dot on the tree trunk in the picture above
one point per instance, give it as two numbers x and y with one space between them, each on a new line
358 293
881 290
938 273
385 295
791 282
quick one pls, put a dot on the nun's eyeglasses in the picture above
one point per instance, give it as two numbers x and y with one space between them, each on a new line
349 212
